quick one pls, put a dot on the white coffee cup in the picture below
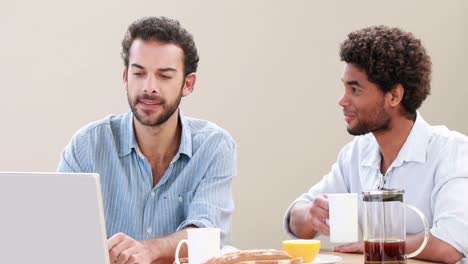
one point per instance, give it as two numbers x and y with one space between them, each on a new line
343 221
202 243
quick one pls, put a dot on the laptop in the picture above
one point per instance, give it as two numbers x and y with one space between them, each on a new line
52 218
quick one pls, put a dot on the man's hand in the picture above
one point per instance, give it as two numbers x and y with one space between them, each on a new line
319 213
308 218
124 249
357 247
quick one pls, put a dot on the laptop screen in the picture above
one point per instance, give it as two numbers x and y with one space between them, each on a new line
52 218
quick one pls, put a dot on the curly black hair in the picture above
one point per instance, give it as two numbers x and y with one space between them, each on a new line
165 30
391 56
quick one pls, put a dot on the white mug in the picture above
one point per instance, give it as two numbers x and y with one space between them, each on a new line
202 243
343 221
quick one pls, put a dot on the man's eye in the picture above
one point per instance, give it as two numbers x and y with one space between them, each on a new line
354 90
137 73
165 76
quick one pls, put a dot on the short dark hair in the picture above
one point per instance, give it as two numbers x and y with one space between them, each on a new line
165 30
391 56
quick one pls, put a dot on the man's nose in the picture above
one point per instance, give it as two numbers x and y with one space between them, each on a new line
343 102
151 86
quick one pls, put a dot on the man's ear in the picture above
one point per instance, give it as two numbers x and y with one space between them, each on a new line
125 76
189 83
395 95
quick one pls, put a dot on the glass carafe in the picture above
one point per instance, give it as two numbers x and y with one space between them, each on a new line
384 224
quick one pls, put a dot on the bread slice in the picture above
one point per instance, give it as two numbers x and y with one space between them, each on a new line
265 256
256 256
282 261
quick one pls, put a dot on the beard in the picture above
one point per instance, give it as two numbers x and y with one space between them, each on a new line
379 121
144 116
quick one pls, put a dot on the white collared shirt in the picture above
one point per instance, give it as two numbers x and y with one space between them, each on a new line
432 168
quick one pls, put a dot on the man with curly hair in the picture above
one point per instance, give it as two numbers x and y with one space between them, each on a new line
161 172
386 78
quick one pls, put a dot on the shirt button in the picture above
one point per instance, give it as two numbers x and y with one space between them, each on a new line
149 230
181 199
153 194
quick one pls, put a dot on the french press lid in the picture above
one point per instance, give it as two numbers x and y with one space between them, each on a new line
383 195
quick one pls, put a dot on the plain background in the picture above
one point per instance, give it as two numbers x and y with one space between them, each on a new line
269 73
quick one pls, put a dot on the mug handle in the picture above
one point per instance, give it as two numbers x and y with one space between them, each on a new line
179 245
426 231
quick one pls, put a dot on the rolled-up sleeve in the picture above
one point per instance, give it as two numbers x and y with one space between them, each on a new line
451 200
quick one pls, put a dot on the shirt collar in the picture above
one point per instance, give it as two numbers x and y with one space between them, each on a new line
128 139
372 156
186 140
127 135
414 148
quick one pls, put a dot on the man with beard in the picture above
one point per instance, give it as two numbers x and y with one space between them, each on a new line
386 78
161 172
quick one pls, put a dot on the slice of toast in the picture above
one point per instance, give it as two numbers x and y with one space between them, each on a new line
265 256
282 261
256 256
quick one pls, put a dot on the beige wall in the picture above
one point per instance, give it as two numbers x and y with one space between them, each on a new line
269 73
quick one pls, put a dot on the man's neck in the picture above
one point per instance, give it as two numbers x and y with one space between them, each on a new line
159 142
391 140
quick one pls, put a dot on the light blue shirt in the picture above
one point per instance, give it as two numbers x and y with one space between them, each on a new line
432 168
195 189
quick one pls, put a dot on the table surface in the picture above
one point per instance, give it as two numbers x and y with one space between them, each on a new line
359 258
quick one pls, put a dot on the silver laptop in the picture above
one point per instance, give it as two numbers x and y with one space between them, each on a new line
52 218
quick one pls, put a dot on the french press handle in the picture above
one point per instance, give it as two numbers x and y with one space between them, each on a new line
426 231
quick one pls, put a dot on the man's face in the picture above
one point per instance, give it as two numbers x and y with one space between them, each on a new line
363 103
155 81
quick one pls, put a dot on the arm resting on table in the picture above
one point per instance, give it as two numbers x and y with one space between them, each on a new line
163 248
435 250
